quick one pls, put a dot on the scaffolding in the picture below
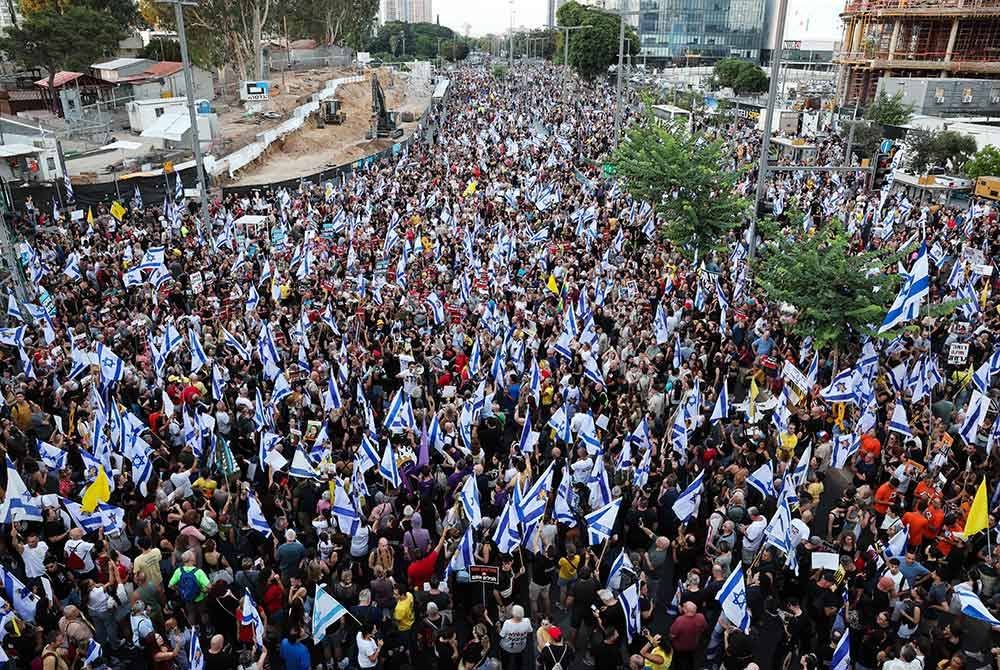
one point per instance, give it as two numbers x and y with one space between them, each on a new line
916 38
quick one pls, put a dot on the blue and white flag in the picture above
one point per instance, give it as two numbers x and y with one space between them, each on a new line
601 522
906 306
973 607
468 496
388 468
762 479
250 616
842 653
841 389
464 555
733 597
19 596
507 535
112 367
233 343
52 457
621 563
687 503
642 472
198 356
93 653
975 413
255 517
721 410
899 423
331 399
348 518
629 600
72 269
529 437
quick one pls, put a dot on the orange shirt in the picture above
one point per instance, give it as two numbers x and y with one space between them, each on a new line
935 523
883 496
871 445
925 489
916 524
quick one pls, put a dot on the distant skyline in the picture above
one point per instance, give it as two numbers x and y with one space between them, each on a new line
807 19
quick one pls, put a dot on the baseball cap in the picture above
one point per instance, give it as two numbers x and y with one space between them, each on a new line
555 633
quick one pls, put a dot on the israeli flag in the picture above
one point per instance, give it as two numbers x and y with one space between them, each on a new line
687 503
19 596
255 516
437 309
301 467
721 410
282 389
529 438
897 545
72 269
975 413
642 472
842 653
331 399
112 367
845 446
13 337
198 356
474 358
468 496
250 616
899 423
629 600
388 468
464 555
344 509
12 309
153 258
507 535
841 389
93 653
762 479
906 306
622 562
600 523
562 512
600 487
733 597
52 457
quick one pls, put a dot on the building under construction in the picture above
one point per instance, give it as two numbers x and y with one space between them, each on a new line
921 38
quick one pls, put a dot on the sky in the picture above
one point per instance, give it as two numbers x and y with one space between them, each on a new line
806 19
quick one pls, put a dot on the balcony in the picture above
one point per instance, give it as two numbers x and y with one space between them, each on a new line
963 8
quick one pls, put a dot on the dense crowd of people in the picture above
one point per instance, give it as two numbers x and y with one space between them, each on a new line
466 408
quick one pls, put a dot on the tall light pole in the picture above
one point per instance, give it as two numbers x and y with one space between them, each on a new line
765 142
618 82
206 219
566 30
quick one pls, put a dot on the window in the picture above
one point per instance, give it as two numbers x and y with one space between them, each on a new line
158 111
939 95
51 163
995 96
967 95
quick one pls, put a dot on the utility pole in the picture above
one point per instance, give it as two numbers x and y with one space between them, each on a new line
566 30
765 142
206 218
618 82
850 135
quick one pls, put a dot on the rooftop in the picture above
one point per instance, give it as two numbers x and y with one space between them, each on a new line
118 63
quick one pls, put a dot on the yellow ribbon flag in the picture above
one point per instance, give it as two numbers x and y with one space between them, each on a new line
97 492
333 490
470 189
979 515
752 405
90 215
117 210
551 285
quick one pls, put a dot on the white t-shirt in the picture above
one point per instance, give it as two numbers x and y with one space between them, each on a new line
34 560
514 635
365 649
581 470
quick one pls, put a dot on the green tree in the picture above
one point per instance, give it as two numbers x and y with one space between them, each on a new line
986 163
123 12
593 50
938 148
418 40
162 49
866 138
657 161
740 75
889 110
454 50
343 22
830 286
50 39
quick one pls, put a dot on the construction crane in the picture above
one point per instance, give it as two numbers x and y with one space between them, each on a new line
383 121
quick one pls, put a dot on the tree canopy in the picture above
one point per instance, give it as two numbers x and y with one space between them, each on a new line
889 110
344 22
50 39
594 49
688 181
831 287
740 75
939 148
986 163
125 13
454 50
409 40
866 138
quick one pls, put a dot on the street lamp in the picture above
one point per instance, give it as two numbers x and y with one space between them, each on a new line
621 64
189 91
566 30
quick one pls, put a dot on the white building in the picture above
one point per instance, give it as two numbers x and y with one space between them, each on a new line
28 152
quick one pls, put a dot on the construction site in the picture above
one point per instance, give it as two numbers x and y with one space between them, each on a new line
915 38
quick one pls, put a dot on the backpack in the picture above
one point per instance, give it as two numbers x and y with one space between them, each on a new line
558 664
188 585
73 560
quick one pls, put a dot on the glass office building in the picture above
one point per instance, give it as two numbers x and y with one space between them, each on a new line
699 32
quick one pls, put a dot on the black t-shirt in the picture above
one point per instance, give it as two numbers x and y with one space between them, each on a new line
607 655
584 595
553 653
542 570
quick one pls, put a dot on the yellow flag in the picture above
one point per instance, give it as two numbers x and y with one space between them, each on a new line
97 492
117 210
90 215
552 286
752 404
979 517
470 189
333 490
